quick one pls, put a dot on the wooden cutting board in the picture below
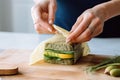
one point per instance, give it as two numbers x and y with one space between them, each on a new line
45 71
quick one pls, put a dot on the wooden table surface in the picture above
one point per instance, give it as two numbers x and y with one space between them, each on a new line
46 71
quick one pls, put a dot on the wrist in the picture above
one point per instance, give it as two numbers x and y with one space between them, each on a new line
108 9
100 12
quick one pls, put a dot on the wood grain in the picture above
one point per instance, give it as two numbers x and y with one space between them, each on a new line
46 71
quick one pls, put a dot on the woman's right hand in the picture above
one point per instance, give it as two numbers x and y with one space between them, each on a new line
43 14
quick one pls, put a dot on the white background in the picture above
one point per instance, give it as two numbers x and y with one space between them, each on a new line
15 16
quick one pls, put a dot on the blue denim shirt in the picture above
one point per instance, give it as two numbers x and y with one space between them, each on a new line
69 10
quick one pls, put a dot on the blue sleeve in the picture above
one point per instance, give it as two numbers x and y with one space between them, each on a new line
69 10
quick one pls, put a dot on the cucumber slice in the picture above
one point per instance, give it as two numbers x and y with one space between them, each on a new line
50 57
59 51
54 54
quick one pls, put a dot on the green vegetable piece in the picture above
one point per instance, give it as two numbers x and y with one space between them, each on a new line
109 68
115 72
105 63
60 51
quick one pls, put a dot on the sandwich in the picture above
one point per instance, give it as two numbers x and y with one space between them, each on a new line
56 51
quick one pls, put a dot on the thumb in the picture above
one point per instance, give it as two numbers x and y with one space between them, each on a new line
52 11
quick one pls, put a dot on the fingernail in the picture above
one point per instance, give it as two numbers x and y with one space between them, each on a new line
50 21
50 29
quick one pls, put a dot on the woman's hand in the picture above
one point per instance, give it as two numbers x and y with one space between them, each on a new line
43 14
91 22
88 25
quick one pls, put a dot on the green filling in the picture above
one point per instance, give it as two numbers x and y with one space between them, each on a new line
51 54
60 51
56 60
50 57
55 54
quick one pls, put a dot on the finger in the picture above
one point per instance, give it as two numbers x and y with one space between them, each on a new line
38 15
52 10
44 23
93 30
32 14
36 12
97 31
77 23
85 36
81 28
95 27
41 30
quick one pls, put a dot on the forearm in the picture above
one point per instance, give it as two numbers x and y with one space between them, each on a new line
109 9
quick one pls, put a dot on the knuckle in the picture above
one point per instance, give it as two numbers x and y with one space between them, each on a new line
90 14
78 18
98 20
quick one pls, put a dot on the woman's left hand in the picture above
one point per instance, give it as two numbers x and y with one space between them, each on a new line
88 25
